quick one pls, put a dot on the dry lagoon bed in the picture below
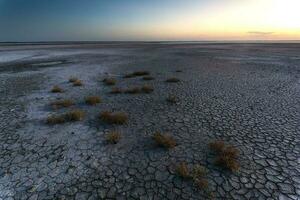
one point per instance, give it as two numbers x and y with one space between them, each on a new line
153 142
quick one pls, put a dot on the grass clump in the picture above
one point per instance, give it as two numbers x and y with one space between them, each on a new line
56 89
116 90
109 81
147 89
73 79
137 73
75 115
133 90
62 104
172 99
182 170
113 137
114 117
77 83
56 119
148 78
227 155
92 100
173 80
165 141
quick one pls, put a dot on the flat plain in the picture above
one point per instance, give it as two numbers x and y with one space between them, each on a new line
182 95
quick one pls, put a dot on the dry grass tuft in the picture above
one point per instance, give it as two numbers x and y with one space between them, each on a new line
137 73
75 115
56 89
133 90
116 90
165 141
113 137
147 89
77 83
56 119
92 100
73 79
109 81
199 171
173 80
226 155
172 99
182 170
148 78
62 104
201 183
114 118
217 146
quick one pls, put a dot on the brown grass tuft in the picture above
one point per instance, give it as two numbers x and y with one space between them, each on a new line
182 170
165 141
109 81
172 99
92 100
75 115
62 103
113 137
217 146
73 79
56 89
114 118
173 80
77 83
116 90
133 90
56 119
147 89
201 183
148 78
226 155
137 73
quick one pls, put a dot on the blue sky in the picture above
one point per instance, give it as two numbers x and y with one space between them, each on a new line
54 20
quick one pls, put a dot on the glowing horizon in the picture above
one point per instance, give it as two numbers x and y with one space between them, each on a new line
158 20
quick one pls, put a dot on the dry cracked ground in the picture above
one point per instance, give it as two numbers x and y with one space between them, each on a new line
247 95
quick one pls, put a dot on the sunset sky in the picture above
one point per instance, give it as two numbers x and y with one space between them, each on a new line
61 20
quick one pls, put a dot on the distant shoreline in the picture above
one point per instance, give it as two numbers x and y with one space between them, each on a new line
152 42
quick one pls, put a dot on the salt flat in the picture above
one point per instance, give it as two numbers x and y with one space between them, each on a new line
247 95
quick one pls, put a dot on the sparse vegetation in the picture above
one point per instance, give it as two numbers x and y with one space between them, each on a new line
56 119
173 80
114 117
133 90
56 89
109 81
113 137
73 79
137 73
226 155
172 99
77 83
92 100
116 90
148 78
75 115
182 170
164 140
147 89
62 103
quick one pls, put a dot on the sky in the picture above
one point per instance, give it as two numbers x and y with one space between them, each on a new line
148 20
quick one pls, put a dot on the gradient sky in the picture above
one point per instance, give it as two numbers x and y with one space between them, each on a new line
61 20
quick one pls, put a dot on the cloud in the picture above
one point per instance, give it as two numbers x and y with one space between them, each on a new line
260 33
